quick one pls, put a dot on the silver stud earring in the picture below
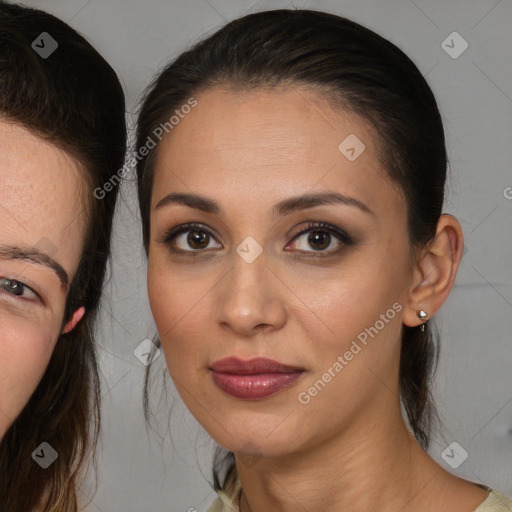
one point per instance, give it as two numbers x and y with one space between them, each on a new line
422 315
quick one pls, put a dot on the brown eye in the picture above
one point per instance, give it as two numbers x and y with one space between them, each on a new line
320 237
189 238
198 239
319 240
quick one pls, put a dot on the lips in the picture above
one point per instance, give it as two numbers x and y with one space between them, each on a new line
253 379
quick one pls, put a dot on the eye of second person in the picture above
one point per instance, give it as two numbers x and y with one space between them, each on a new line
319 240
198 239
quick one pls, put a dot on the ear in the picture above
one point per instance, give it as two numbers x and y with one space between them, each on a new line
77 316
435 271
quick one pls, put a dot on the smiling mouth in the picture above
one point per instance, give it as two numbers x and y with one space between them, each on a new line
254 379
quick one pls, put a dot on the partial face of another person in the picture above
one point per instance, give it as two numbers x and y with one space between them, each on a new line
262 275
42 226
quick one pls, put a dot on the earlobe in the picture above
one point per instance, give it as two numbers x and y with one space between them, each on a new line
436 271
77 316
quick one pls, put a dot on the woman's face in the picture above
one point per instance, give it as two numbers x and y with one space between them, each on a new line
324 305
41 237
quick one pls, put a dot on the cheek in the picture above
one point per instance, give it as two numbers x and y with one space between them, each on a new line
350 308
363 291
174 302
25 350
355 346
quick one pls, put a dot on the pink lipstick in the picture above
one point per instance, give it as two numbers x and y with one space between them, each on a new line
253 379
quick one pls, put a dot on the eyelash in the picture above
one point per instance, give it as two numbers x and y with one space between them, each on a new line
4 280
341 235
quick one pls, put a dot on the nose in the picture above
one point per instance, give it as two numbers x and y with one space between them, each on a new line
250 299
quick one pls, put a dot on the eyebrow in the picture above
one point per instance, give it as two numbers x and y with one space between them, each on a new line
282 208
36 257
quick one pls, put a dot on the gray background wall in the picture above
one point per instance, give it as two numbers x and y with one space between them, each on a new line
139 471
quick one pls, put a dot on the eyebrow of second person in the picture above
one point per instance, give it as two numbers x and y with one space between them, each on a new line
34 256
282 208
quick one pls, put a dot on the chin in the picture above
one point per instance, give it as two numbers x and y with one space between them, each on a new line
255 435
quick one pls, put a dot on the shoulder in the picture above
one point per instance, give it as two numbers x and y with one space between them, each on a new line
216 506
229 497
221 504
495 502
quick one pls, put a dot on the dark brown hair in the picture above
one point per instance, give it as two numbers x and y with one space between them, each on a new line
359 71
74 100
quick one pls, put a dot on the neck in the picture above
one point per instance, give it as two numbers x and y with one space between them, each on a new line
372 465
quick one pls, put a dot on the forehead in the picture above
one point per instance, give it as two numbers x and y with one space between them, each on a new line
268 141
42 195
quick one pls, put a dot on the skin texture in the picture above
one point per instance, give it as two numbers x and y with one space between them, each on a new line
348 447
40 210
